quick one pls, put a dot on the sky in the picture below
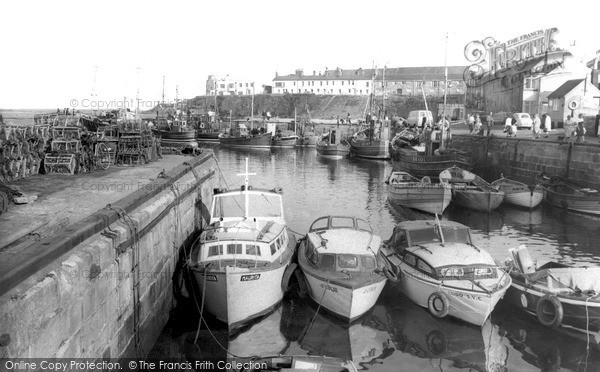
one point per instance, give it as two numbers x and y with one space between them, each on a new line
58 54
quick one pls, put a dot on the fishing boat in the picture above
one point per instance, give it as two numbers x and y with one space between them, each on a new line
371 143
284 140
338 262
436 265
470 190
243 255
570 196
518 193
241 137
428 159
558 295
421 194
330 146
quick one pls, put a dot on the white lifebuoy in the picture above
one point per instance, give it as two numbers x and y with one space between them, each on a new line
438 304
550 311
201 125
573 104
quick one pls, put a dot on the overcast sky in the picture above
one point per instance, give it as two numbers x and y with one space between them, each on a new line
52 50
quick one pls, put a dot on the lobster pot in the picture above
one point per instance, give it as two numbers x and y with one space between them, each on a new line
62 163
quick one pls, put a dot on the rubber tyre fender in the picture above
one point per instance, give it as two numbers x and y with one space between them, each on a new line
287 275
433 304
391 274
436 342
550 300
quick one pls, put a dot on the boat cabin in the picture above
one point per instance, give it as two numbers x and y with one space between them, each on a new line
443 255
342 244
247 204
243 241
413 233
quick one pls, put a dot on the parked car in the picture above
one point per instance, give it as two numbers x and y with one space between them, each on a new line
523 120
500 117
415 118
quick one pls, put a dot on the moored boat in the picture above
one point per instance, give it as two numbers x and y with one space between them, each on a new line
338 262
470 190
284 141
518 193
557 294
421 194
248 141
242 256
570 196
427 160
369 145
436 265
329 146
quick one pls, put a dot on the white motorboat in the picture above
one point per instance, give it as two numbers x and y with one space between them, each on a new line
338 262
436 265
242 256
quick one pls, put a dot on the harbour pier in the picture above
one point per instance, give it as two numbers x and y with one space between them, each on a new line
86 271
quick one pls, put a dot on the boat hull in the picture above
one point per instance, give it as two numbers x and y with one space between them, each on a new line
589 204
478 200
376 149
470 306
348 303
235 295
430 198
430 166
287 142
332 151
575 314
259 141
520 194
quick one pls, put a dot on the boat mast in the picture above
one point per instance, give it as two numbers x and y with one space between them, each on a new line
252 109
245 189
445 75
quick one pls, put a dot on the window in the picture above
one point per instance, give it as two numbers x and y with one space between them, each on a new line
531 83
367 262
423 266
215 250
399 91
410 259
554 104
313 256
342 82
253 249
367 86
321 82
278 84
436 84
234 249
347 261
327 260
273 248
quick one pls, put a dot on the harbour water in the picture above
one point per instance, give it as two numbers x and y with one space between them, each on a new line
396 335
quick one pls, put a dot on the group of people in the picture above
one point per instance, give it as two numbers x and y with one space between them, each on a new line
575 127
539 125
476 125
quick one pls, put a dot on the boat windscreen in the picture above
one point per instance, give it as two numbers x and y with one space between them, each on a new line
259 205
425 235
456 235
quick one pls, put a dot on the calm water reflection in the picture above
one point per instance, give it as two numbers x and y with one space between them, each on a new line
396 335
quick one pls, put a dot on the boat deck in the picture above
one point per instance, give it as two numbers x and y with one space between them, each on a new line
65 199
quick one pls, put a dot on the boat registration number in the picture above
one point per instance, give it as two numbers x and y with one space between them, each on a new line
467 296
418 159
329 288
247 278
211 278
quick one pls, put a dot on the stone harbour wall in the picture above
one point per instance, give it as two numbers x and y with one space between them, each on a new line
523 159
109 296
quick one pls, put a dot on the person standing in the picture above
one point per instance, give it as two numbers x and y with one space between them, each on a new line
537 123
569 126
477 128
580 130
548 124
471 123
489 124
508 126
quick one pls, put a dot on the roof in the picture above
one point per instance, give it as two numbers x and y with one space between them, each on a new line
260 231
345 241
419 224
567 86
391 74
449 254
